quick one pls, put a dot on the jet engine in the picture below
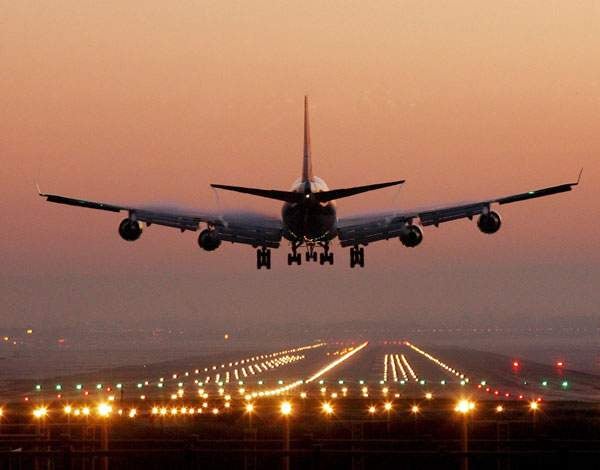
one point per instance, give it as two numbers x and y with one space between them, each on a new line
411 236
489 223
130 230
208 240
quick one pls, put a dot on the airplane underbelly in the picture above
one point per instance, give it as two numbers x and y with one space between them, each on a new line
313 223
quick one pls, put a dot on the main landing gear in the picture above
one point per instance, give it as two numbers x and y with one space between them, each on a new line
311 254
357 256
263 258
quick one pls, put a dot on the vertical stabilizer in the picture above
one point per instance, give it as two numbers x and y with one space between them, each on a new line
307 173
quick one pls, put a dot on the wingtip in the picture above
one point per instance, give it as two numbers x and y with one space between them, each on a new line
39 191
579 175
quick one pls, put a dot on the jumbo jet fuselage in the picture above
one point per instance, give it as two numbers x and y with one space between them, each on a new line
309 220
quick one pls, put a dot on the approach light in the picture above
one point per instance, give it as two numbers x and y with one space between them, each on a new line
40 412
534 405
285 408
464 406
414 409
104 410
327 408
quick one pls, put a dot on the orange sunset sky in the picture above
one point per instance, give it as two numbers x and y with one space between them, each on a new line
153 101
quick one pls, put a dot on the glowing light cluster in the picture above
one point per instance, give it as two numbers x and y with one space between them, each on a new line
336 363
438 362
409 368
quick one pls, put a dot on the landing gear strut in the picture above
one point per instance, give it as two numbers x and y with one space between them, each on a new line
357 256
263 258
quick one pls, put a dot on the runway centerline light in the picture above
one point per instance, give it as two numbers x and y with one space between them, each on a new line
414 409
499 409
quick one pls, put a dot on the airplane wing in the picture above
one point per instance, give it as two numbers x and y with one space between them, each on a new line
235 227
362 230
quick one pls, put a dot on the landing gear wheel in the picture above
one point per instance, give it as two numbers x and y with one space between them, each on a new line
326 258
357 257
294 258
263 258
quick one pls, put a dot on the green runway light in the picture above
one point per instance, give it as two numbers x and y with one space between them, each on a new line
241 382
99 386
483 383
140 385
321 382
38 387
160 385
78 386
280 382
421 382
443 382
119 386
381 382
180 384
462 383
260 382
545 383
361 382
402 382
531 192
341 382
58 387
565 384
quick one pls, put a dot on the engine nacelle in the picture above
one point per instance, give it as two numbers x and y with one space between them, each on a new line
489 223
411 236
130 230
208 240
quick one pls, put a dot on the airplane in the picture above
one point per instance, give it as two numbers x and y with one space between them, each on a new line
308 218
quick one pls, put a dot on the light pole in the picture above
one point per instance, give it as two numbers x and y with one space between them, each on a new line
464 407
104 410
286 410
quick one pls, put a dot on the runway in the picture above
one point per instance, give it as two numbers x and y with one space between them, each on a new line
395 368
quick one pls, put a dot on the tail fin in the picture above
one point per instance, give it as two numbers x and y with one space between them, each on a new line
307 173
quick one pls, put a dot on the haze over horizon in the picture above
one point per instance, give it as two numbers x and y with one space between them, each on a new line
117 103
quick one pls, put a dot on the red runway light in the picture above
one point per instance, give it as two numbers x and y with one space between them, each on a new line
516 364
560 364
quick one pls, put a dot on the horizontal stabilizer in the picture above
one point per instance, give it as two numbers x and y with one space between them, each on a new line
294 196
325 196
